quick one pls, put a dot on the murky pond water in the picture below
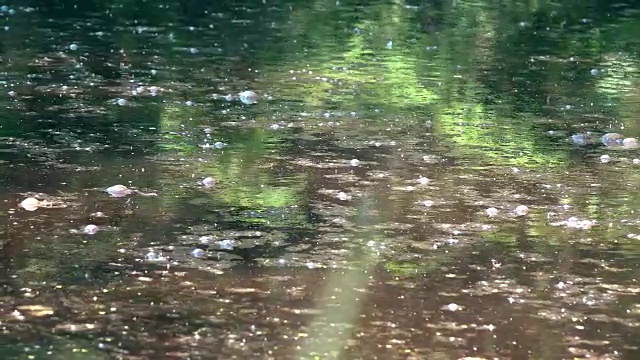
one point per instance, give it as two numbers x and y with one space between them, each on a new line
320 180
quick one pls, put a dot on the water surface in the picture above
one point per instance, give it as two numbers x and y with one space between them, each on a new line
414 180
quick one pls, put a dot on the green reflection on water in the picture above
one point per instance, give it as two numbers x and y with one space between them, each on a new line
243 167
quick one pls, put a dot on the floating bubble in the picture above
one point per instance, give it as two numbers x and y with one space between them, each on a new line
73 47
248 97
343 196
118 190
209 181
605 158
452 307
630 143
612 139
575 223
491 211
90 229
583 139
30 204
205 240
354 162
423 180
522 210
198 253
122 102
226 244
